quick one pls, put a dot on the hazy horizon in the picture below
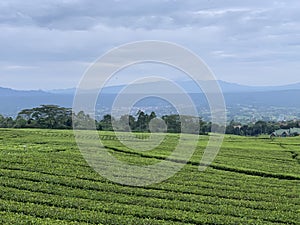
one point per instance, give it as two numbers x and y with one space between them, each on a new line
122 84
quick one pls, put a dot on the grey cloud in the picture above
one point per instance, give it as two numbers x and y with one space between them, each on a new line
224 32
136 14
155 14
56 12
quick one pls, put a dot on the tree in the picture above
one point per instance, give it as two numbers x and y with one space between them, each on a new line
260 127
6 122
132 122
190 124
122 124
45 116
83 121
1 120
157 125
106 123
142 123
173 123
152 116
20 122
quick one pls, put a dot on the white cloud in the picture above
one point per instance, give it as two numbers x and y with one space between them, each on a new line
18 67
223 54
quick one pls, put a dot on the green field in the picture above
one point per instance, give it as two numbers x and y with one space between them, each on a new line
45 180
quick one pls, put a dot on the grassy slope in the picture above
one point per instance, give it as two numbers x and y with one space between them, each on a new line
45 180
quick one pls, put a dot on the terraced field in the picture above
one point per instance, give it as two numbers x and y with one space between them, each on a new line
44 179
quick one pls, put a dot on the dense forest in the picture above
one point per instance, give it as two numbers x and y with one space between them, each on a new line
56 117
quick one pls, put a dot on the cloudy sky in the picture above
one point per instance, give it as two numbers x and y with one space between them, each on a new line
49 44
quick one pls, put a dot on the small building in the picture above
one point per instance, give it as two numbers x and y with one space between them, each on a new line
281 133
295 131
286 132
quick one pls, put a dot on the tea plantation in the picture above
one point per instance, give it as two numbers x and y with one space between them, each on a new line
44 179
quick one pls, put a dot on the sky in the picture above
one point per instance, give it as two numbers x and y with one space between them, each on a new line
50 44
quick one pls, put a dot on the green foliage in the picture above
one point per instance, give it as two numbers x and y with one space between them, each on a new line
45 180
55 117
46 116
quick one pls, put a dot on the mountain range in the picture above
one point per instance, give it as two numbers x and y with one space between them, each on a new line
191 87
236 95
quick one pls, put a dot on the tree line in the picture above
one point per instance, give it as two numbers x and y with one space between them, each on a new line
56 117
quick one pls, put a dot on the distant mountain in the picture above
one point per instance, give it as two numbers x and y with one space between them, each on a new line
189 87
232 87
12 92
62 91
285 97
108 90
12 101
227 87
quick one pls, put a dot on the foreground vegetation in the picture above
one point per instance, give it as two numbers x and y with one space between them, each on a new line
45 180
56 117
